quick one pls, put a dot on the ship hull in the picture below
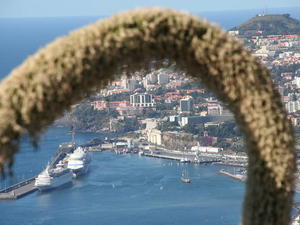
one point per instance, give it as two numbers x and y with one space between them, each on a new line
47 183
80 171
45 188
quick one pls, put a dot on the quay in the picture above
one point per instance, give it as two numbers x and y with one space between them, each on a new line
233 164
18 190
180 157
239 177
156 155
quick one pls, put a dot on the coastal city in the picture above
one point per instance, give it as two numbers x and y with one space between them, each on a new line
158 120
166 108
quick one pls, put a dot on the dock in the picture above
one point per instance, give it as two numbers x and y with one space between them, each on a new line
18 190
238 177
163 156
179 157
26 187
233 164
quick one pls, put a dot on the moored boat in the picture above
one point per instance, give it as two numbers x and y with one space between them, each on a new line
79 161
52 178
184 177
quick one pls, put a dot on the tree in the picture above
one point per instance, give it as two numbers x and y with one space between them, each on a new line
190 128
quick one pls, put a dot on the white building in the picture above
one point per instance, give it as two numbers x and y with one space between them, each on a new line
151 123
233 32
192 120
175 118
292 106
262 52
296 81
207 149
141 100
155 136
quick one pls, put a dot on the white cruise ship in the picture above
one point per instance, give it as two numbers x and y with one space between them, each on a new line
79 161
53 178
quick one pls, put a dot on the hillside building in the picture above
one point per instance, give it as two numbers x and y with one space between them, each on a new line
186 105
141 100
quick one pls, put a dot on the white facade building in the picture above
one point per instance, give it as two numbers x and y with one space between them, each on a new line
207 149
141 100
151 123
292 106
155 136
296 81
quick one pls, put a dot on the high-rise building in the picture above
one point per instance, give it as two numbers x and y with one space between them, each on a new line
186 104
163 78
292 106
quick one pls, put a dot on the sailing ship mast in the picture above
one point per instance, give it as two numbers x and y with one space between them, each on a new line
184 175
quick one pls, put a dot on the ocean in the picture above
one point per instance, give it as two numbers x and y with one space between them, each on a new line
122 189
119 189
22 37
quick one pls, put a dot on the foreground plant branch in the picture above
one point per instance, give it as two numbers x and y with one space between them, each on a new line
62 73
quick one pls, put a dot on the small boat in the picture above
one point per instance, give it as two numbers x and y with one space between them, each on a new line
184 160
184 177
185 180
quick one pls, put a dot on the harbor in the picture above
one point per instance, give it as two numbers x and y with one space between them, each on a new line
44 181
120 182
119 146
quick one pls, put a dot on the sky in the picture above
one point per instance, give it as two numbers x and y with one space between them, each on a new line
58 8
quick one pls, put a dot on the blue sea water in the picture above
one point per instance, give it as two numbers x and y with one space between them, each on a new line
123 189
119 189
20 38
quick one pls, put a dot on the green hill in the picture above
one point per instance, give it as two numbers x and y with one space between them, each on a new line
269 24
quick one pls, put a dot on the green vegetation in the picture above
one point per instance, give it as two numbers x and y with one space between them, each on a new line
270 24
86 118
126 125
224 130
